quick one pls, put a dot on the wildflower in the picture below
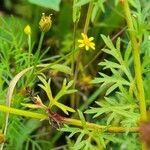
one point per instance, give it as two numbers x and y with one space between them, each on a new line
45 23
86 42
27 30
85 82
87 79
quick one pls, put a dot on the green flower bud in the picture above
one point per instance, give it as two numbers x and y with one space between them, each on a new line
45 23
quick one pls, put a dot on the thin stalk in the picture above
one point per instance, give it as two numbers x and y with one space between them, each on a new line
29 50
22 112
137 62
68 121
37 54
72 63
88 17
92 126
87 21
40 44
73 48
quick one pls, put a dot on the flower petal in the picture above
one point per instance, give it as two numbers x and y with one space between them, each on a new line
91 39
86 47
93 47
81 45
80 41
92 44
84 36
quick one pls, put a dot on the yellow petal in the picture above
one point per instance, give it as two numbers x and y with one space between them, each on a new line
93 47
81 45
80 41
86 47
91 39
84 36
92 44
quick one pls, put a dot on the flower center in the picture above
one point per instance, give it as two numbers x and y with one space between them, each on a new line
87 42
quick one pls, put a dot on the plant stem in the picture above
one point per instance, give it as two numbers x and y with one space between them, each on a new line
29 52
101 127
137 63
37 54
40 44
22 112
73 47
68 121
87 21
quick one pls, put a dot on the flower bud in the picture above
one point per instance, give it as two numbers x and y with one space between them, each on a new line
45 23
27 30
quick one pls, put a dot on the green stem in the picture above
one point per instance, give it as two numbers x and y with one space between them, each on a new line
137 63
40 44
92 126
22 112
29 45
88 17
73 47
37 54
68 121
87 22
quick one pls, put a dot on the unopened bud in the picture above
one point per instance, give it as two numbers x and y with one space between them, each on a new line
27 30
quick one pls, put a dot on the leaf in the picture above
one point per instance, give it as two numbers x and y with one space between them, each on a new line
53 4
64 108
110 118
82 2
128 52
98 7
108 42
65 90
62 68
111 89
30 105
82 118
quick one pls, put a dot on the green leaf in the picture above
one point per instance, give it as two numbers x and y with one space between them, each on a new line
82 118
82 2
128 52
62 68
64 108
53 4
110 118
30 105
108 42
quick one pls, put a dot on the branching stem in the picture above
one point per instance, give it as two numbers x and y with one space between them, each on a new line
68 121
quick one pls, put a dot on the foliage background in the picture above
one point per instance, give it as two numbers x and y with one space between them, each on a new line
106 82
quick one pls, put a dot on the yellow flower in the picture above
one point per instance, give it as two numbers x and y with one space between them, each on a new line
86 42
45 23
27 30
87 79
